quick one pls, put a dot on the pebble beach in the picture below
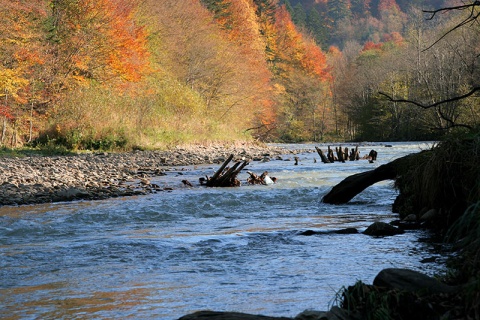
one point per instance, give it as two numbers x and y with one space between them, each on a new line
91 176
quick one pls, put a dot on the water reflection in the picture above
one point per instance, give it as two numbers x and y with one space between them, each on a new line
74 305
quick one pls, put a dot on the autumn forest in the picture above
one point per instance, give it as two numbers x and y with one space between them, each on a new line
123 74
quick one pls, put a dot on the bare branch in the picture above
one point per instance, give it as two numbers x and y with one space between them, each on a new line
451 122
463 96
462 7
470 19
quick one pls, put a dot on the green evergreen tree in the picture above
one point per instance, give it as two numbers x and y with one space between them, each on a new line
219 8
339 10
265 10
288 6
299 16
315 25
359 7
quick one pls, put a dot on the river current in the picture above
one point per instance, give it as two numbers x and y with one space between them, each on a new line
168 254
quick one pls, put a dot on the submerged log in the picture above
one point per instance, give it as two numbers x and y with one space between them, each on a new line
220 315
354 184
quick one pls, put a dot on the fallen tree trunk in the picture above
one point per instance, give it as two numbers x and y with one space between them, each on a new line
354 184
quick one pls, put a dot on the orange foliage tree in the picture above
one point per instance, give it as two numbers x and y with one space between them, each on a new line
301 71
49 47
22 61
96 40
244 29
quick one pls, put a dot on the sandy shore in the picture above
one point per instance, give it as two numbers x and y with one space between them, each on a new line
41 179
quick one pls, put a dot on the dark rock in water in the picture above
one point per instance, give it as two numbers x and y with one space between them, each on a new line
341 231
411 281
406 225
214 315
410 218
335 313
346 231
382 229
311 315
308 233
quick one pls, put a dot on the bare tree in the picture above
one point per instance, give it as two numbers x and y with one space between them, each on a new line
453 75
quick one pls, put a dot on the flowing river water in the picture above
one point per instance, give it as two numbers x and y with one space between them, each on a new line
168 254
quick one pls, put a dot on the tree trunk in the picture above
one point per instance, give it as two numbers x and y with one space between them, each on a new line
4 130
31 124
354 184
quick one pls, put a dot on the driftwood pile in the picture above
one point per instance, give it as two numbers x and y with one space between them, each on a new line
226 176
262 179
343 154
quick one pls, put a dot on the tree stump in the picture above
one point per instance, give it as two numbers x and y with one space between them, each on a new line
354 154
322 155
372 156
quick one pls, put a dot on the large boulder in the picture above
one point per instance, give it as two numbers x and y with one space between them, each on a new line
335 313
215 315
382 229
411 281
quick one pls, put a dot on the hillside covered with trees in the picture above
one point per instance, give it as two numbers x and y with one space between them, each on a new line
118 74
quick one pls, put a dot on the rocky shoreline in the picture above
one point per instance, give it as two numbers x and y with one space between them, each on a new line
91 176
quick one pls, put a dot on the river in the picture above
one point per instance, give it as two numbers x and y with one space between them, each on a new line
168 254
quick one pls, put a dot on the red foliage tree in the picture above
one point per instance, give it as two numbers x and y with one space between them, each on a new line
296 50
370 45
384 5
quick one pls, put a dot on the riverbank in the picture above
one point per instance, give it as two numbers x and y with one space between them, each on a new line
91 176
